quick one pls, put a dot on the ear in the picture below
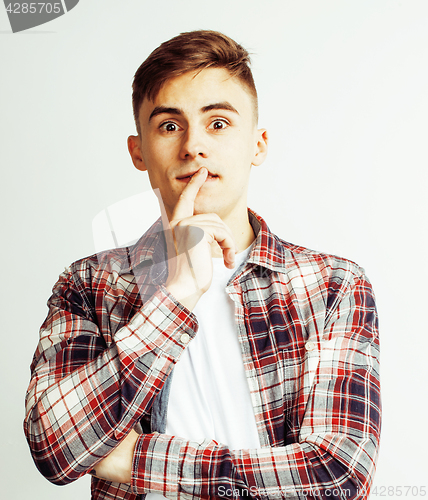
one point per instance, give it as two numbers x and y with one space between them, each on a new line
261 147
134 148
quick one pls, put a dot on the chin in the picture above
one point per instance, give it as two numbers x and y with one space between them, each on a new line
206 208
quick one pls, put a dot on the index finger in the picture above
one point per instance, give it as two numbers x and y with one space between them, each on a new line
186 202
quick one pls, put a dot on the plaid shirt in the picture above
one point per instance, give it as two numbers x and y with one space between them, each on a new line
307 325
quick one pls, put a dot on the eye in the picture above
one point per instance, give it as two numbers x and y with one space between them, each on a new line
219 124
169 127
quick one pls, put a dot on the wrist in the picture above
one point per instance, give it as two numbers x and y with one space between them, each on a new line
187 294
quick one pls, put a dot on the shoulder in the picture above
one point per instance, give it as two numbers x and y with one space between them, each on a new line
307 261
298 263
309 274
109 260
80 282
108 265
99 266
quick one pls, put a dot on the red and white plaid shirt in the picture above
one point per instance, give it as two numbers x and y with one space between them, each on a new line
307 324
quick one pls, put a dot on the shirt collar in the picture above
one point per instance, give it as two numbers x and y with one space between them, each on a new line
268 250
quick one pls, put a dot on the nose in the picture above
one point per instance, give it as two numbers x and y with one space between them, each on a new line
193 145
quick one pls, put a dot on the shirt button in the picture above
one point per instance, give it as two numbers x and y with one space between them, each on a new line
310 346
185 338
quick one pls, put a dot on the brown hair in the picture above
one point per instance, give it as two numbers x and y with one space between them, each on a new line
190 51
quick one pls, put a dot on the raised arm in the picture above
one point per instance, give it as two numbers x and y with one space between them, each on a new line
91 382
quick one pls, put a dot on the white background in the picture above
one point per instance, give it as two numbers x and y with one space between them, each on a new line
343 92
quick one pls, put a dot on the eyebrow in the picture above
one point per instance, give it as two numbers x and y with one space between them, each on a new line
164 109
219 105
177 111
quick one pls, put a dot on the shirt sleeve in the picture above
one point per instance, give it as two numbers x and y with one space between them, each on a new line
336 452
86 393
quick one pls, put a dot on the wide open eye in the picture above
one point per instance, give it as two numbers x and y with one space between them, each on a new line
219 124
169 127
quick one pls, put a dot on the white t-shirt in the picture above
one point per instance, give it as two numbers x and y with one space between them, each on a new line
209 396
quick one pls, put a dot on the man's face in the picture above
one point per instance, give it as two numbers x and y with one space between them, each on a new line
203 119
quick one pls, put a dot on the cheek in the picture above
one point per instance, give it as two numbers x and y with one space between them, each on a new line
157 160
239 154
242 143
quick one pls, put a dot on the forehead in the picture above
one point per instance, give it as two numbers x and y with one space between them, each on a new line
194 90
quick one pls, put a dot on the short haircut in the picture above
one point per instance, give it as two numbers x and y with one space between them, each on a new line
191 51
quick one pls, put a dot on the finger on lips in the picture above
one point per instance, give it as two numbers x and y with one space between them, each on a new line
212 222
185 204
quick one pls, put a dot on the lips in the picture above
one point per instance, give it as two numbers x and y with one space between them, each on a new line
189 175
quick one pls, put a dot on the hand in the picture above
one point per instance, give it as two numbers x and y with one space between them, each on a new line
189 255
117 466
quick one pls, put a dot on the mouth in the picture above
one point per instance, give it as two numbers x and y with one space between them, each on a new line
187 177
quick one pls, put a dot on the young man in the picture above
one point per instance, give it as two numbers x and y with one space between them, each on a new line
215 360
